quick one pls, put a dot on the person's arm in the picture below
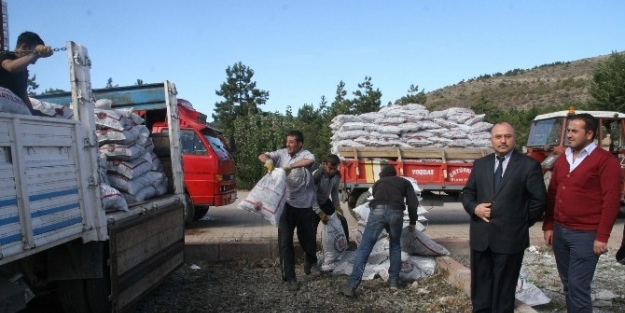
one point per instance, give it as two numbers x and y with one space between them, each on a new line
551 203
302 163
263 157
336 202
535 186
610 184
19 64
412 202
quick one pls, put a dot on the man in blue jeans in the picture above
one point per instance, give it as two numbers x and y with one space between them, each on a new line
387 213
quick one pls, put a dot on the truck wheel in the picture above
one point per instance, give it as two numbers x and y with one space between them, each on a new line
361 199
353 197
72 296
189 210
199 213
98 291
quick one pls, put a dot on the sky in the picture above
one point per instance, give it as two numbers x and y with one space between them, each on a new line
301 50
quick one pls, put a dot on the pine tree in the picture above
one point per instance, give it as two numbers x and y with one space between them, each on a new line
241 97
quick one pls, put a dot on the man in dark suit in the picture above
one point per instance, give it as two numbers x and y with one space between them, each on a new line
504 196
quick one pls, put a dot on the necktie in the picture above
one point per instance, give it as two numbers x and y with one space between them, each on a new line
499 172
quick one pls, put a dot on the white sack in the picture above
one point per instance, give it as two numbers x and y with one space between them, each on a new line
268 196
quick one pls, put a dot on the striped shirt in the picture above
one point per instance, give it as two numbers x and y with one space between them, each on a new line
301 191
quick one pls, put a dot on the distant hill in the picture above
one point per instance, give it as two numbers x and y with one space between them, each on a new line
556 83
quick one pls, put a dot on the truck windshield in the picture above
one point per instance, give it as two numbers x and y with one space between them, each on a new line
545 132
218 146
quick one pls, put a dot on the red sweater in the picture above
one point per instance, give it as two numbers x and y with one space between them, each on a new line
588 198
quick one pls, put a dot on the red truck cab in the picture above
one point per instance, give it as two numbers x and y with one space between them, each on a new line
208 164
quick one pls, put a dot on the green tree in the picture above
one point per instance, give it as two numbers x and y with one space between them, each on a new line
340 105
109 83
367 99
32 85
241 97
139 82
413 96
255 134
53 90
312 123
608 83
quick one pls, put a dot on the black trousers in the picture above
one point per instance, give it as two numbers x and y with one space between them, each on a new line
493 280
304 219
328 209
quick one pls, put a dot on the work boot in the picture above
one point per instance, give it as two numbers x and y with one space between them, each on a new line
311 268
393 285
348 291
620 255
292 285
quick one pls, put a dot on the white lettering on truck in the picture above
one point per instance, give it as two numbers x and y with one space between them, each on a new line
423 172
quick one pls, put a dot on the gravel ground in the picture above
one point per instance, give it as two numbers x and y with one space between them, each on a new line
608 283
256 286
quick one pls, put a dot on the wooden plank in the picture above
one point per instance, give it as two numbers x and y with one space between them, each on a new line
412 153
137 244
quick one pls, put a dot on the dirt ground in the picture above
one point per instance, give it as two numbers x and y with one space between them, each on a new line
256 286
608 291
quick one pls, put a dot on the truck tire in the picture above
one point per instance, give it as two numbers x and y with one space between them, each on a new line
72 296
361 199
189 210
199 213
353 197
98 291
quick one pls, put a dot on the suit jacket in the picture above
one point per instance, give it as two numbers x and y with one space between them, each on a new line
518 203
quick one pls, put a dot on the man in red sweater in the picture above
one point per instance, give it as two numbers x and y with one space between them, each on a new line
583 202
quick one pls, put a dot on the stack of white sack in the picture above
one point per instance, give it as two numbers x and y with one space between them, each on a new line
268 196
11 103
52 109
411 125
127 150
418 251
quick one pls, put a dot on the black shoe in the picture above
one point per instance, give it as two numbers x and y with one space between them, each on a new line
348 291
620 255
311 268
393 285
292 285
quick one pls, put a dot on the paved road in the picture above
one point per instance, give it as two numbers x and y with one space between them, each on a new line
227 232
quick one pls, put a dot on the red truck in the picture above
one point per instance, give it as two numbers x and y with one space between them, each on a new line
208 164
440 172
209 167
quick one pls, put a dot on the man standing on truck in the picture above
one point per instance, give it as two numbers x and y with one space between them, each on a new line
14 69
327 180
387 213
300 209
504 196
583 203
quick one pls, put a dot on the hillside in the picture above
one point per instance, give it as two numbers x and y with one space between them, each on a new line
557 83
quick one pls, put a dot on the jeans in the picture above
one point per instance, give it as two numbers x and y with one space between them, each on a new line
576 262
381 217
